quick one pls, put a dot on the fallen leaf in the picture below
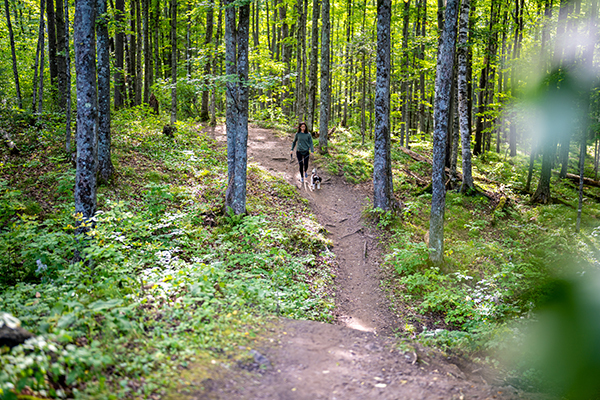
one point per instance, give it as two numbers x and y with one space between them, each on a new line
380 385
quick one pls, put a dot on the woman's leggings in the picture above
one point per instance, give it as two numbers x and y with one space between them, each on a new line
302 162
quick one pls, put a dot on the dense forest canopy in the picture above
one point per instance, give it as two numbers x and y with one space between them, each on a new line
512 47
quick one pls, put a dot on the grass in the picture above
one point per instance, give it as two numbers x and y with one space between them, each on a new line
167 280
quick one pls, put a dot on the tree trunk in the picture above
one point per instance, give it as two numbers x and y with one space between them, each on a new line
14 55
42 63
213 102
147 51
404 67
61 65
51 21
483 85
119 77
105 167
455 135
443 82
156 21
463 107
588 61
542 193
383 196
301 61
236 40
204 115
344 121
312 78
173 61
87 109
67 79
325 88
285 58
138 54
131 59
39 60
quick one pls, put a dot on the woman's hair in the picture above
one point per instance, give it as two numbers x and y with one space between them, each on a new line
300 125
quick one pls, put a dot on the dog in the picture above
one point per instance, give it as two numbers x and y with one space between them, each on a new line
315 179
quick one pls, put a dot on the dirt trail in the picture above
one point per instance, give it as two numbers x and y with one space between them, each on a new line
357 358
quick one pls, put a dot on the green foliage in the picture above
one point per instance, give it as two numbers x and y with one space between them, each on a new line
162 276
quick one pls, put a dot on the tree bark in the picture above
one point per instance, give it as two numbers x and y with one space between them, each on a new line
325 88
147 51
383 196
173 61
312 78
213 101
443 81
61 64
463 106
51 21
138 54
87 108
405 91
301 60
155 22
236 40
119 77
42 63
204 115
105 166
39 54
67 79
14 55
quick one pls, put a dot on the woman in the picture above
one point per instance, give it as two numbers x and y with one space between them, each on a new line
305 143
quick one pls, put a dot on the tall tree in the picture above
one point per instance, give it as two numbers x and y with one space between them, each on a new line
463 106
405 72
312 75
208 37
173 61
39 61
14 55
87 108
138 55
443 82
51 22
119 74
325 87
236 64
147 51
67 79
61 56
382 167
105 166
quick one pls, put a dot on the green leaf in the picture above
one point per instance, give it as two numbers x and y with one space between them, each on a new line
101 305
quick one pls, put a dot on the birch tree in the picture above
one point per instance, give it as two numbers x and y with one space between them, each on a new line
87 108
382 168
443 82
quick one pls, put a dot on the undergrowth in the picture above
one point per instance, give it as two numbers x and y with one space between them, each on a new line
163 277
501 253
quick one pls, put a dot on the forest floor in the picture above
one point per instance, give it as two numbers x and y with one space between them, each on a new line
356 357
